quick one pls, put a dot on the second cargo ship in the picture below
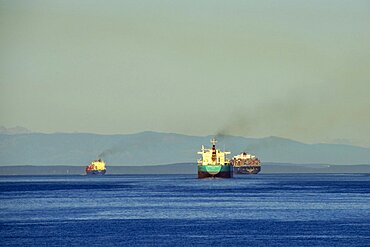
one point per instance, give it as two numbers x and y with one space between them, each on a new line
246 163
214 163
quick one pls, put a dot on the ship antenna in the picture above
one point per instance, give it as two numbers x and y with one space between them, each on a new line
213 141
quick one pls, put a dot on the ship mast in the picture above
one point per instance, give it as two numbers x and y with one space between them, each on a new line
213 141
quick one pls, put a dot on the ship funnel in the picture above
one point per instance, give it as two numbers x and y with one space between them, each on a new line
214 157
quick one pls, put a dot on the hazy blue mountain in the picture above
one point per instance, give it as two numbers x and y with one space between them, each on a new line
151 148
14 130
182 168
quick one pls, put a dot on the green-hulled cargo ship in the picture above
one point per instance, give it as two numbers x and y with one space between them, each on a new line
214 163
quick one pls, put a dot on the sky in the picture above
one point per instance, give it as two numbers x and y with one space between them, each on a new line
294 69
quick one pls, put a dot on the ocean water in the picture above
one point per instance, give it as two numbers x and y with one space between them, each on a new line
180 210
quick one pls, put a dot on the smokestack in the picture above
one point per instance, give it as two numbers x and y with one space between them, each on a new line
214 141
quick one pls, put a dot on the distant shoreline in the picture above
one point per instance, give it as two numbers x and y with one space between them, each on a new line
178 168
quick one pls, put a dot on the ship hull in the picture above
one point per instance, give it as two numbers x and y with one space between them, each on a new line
215 171
247 170
96 172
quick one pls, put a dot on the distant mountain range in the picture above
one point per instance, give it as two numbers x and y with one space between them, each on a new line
182 168
152 148
14 130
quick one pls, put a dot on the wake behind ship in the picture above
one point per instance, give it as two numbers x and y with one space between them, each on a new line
214 163
97 167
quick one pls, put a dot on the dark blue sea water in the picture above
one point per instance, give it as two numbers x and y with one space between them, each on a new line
180 210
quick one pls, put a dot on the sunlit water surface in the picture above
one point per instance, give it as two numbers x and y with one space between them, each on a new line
180 210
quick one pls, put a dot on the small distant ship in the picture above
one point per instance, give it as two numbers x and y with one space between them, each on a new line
97 167
246 163
214 163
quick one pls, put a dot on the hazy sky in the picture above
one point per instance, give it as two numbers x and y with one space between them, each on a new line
296 69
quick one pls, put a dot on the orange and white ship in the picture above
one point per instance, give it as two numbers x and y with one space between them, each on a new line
97 167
